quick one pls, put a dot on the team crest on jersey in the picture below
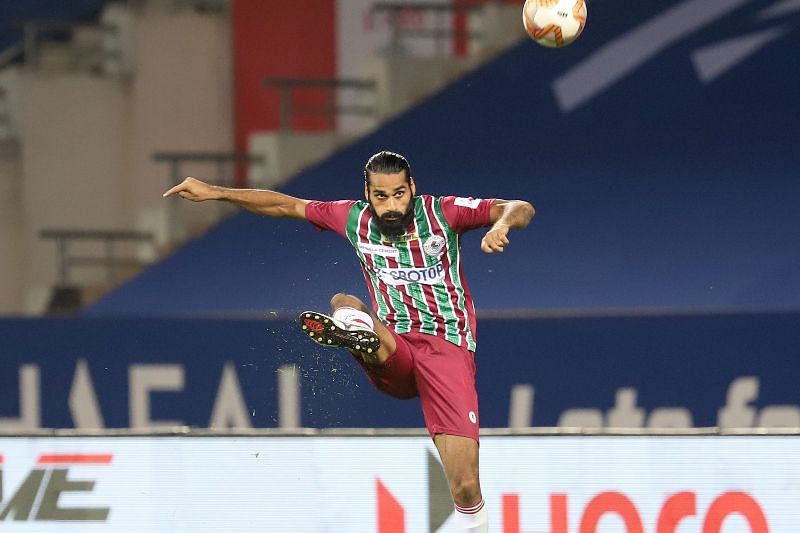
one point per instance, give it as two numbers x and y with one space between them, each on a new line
434 246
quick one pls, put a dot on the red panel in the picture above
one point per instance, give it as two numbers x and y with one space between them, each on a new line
294 38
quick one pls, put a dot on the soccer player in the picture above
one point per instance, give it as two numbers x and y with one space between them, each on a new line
418 339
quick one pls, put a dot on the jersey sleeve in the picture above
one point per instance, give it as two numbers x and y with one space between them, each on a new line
464 214
329 215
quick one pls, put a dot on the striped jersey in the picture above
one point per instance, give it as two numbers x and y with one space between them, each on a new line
416 281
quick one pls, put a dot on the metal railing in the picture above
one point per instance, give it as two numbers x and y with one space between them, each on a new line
224 164
13 53
210 7
108 258
38 32
287 88
5 115
221 160
442 30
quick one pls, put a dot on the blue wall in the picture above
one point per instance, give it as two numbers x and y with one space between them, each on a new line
672 361
674 187
670 188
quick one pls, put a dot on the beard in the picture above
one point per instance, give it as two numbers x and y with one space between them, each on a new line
394 223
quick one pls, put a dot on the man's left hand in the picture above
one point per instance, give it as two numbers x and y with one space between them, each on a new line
495 239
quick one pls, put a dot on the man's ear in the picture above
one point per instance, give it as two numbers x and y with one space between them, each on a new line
413 186
366 191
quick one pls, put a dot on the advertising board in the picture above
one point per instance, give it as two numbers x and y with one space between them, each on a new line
555 484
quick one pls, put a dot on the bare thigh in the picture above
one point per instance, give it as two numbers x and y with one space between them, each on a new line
460 460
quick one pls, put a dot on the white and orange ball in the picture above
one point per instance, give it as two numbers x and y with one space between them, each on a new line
554 23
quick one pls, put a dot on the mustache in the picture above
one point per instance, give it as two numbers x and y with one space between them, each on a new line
393 222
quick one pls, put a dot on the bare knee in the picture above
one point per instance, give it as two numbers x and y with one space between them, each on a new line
466 490
341 299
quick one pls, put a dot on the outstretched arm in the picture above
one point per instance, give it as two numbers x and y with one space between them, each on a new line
505 215
263 202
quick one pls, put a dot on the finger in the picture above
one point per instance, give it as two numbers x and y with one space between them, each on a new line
504 240
495 247
485 247
172 190
498 235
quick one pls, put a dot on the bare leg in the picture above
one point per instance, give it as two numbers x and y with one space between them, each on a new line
460 460
388 344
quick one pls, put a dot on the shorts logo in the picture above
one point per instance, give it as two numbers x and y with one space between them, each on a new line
434 246
473 417
402 276
378 249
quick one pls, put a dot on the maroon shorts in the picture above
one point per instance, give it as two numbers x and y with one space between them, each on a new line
440 373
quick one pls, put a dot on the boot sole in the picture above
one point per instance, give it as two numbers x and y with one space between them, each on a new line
322 330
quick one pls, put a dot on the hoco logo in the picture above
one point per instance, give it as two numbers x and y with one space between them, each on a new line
684 511
675 509
36 499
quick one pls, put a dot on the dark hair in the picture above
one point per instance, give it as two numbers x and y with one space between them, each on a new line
387 163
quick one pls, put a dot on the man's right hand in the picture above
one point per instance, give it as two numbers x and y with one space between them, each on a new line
195 190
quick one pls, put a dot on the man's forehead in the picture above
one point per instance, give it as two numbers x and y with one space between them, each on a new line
378 188
393 181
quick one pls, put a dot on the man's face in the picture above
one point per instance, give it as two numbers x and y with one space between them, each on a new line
390 198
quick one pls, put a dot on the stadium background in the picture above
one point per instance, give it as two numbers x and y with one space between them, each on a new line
656 291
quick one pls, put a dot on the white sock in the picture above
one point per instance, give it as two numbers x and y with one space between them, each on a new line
472 519
353 319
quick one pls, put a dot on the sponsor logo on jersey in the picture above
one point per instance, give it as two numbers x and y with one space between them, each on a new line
377 249
472 203
405 237
402 276
434 246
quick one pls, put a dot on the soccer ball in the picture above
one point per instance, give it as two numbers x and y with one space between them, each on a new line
554 23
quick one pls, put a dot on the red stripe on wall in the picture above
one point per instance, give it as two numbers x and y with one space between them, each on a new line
279 39
57 459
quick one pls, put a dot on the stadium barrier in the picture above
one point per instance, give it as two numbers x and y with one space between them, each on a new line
733 370
605 481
